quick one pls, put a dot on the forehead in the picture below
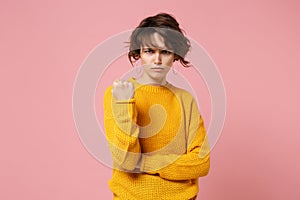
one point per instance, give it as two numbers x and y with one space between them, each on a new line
153 40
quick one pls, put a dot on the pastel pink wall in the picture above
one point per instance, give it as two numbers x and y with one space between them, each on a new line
255 45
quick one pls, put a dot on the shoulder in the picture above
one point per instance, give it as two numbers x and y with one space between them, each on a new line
186 99
180 92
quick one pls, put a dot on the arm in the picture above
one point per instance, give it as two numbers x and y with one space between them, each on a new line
193 164
121 131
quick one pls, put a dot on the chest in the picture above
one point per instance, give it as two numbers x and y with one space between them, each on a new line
161 122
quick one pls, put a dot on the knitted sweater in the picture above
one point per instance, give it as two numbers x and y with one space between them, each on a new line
158 143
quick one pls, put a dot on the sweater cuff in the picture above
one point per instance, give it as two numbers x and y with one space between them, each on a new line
123 110
152 164
125 115
146 164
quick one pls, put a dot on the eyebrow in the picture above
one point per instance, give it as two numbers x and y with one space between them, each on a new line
156 48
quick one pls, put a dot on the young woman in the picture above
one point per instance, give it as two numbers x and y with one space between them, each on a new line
155 132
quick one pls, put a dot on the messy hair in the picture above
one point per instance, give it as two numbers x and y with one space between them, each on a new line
167 27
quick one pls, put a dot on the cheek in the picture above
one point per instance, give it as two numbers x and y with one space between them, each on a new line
144 60
169 61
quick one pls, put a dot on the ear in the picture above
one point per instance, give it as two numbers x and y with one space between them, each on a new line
176 57
137 56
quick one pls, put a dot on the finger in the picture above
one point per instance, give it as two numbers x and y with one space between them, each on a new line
130 85
125 84
116 82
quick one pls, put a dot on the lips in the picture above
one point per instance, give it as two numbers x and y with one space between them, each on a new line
158 69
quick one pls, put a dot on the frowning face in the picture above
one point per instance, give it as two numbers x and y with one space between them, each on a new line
156 60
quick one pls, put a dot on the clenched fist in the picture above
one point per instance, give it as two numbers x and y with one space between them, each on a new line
123 90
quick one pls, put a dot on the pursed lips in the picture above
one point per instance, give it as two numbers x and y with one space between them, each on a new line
157 68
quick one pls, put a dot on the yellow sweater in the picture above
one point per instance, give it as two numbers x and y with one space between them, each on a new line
158 143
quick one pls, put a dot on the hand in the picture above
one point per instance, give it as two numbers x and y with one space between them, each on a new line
123 90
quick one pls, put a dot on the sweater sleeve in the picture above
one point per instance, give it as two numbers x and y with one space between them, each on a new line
191 165
121 131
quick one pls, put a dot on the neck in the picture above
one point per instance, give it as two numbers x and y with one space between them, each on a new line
147 81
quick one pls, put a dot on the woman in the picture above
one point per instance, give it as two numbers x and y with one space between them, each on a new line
155 132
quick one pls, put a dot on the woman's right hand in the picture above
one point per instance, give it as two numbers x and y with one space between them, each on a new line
122 90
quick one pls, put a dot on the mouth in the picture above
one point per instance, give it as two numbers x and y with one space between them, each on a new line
157 69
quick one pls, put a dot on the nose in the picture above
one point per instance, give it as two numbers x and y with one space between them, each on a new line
157 59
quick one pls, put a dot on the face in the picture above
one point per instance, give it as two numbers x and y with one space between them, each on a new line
157 60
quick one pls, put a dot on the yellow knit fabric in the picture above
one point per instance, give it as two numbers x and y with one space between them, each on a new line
158 143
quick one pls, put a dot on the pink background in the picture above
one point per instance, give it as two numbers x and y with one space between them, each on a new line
255 45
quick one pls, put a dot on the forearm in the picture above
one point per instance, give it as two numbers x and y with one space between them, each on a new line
174 167
193 164
122 131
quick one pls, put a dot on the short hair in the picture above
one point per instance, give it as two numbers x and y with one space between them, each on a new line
166 26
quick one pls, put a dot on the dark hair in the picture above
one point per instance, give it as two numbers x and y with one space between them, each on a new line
166 26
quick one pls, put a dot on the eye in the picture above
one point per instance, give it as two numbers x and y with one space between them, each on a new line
166 52
148 51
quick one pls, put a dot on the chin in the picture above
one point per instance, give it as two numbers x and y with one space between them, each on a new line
158 76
